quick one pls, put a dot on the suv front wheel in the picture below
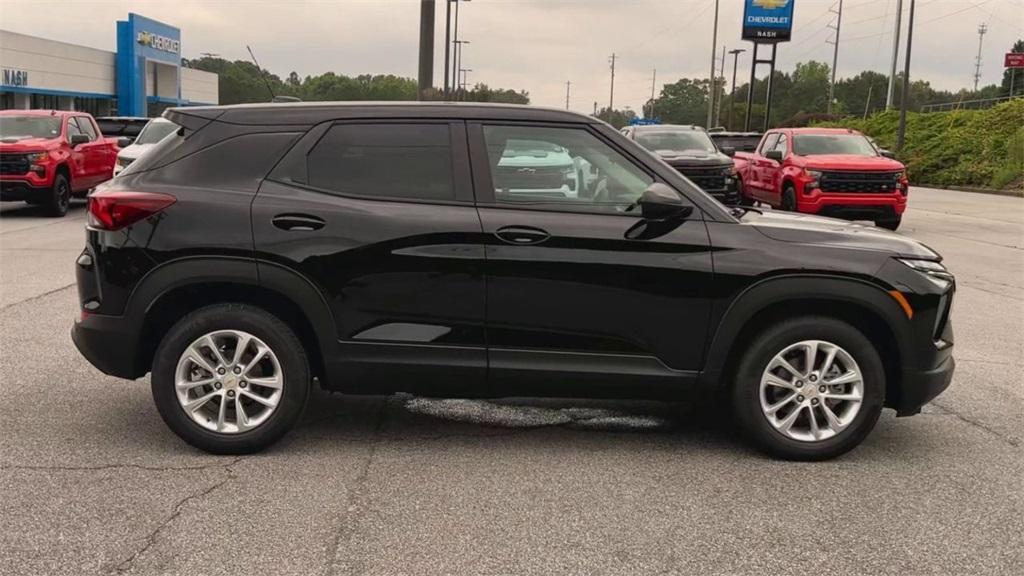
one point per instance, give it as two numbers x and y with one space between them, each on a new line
809 389
230 379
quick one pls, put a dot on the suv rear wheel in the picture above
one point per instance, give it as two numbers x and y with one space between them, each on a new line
230 379
809 389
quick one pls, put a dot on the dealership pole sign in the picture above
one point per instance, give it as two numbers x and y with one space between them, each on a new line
767 21
1014 60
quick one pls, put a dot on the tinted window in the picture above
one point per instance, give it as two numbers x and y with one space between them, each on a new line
155 131
385 160
87 128
676 140
567 167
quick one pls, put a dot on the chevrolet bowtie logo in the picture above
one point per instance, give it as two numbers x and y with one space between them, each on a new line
770 4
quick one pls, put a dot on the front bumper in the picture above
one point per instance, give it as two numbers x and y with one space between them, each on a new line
845 205
922 386
14 190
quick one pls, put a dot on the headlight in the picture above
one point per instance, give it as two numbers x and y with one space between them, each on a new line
816 174
123 162
36 157
728 171
932 270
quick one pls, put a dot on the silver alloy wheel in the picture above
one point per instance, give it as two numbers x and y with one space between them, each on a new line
228 381
811 390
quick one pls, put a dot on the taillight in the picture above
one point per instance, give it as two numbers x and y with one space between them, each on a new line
113 210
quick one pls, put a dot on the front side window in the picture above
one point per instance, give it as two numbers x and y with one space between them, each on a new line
780 146
73 128
29 126
87 128
816 144
384 160
769 142
676 141
561 167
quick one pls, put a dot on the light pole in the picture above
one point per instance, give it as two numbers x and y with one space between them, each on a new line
458 64
455 79
732 93
905 97
447 44
465 80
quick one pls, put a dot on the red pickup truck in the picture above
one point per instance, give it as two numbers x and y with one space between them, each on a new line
826 171
48 156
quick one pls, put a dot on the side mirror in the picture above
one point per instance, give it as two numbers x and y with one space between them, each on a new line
77 139
660 203
728 151
124 142
774 155
887 153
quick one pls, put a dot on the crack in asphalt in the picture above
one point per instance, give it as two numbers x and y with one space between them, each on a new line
36 297
179 507
1011 440
346 530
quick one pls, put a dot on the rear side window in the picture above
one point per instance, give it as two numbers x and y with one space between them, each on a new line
411 161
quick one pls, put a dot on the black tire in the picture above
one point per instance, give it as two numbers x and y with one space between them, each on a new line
60 196
890 223
788 199
274 333
746 399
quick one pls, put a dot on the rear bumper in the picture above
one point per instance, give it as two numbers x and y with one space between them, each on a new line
109 344
921 386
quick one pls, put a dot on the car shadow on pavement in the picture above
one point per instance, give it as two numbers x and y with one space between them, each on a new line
22 210
403 418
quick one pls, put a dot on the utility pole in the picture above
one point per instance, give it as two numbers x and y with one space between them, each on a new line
711 84
653 77
868 102
447 45
718 95
611 95
732 93
902 129
595 108
464 75
835 57
426 71
567 84
982 28
895 56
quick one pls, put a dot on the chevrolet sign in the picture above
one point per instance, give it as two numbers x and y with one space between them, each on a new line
161 43
767 21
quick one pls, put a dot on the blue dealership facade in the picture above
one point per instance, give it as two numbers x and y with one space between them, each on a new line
144 76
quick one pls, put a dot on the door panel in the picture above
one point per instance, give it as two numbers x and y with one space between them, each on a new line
403 280
587 288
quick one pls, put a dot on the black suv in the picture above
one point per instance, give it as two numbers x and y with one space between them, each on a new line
691 151
371 248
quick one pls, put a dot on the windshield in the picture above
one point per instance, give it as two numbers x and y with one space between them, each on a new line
678 141
817 144
155 132
29 126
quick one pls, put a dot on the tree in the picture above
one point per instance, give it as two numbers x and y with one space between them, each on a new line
1018 75
617 118
682 102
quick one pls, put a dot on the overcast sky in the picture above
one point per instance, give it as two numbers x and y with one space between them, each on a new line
538 45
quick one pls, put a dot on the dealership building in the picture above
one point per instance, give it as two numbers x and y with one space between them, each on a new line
142 78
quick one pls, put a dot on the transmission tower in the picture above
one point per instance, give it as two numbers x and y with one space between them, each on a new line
982 28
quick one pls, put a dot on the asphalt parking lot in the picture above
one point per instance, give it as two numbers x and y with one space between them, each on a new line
92 482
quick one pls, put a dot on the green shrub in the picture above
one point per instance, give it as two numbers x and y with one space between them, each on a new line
960 147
